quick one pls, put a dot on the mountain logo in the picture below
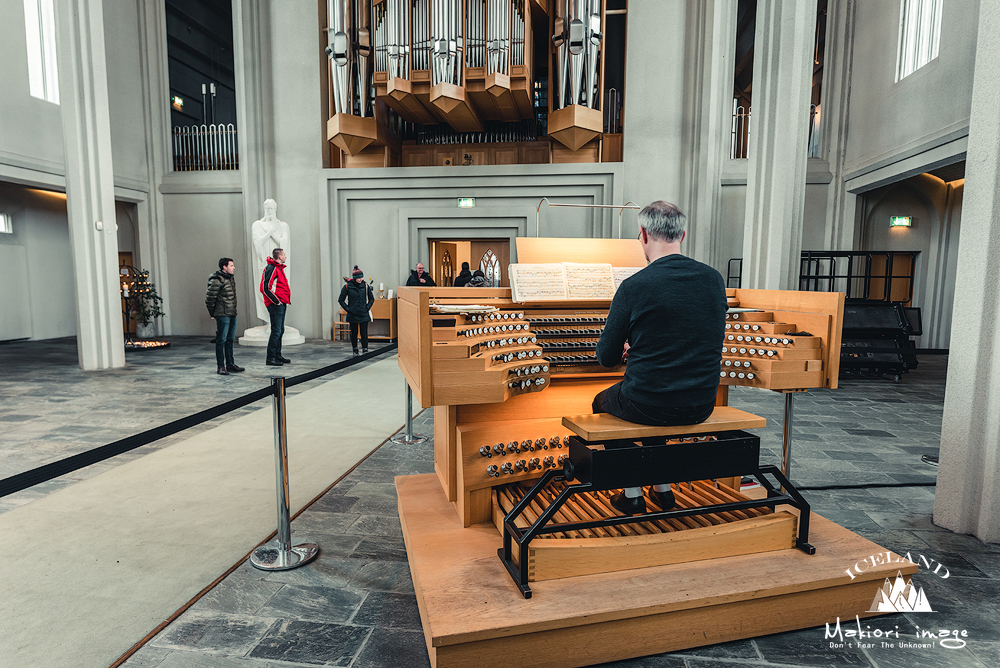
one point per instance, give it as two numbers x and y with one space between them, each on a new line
900 596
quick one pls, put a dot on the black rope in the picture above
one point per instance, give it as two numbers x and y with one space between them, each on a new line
35 476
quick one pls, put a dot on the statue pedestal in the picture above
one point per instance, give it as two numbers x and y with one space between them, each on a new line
258 336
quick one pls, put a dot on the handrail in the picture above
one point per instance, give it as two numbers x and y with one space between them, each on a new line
40 474
627 205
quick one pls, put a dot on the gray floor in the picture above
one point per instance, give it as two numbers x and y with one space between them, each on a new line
355 606
51 409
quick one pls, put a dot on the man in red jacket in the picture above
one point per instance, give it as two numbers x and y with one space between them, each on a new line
277 297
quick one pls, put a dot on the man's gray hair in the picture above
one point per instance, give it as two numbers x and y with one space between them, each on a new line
663 220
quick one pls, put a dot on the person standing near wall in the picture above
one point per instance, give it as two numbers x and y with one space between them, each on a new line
277 297
357 299
220 299
464 276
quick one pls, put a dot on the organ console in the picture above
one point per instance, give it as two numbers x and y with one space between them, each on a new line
509 375
520 472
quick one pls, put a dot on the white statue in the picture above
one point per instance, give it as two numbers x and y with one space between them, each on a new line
267 234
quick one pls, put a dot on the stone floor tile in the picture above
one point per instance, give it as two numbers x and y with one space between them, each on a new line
383 576
324 571
335 523
333 503
393 647
809 648
376 505
236 596
147 657
739 649
376 525
987 652
374 489
655 661
214 633
988 563
388 610
318 604
380 548
311 643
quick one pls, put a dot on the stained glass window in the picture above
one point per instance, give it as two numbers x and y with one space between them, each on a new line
490 266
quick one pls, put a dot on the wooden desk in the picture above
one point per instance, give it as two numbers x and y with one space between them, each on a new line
383 328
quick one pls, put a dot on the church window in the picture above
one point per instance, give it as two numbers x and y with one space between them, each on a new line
919 35
490 266
40 33
6 224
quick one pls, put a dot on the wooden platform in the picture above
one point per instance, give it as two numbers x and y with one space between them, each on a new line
474 615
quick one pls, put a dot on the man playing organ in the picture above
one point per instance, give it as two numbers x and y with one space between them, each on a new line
667 323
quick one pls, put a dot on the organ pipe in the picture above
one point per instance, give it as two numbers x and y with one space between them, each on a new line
349 51
577 38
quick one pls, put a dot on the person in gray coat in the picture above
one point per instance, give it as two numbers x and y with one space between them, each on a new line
220 299
357 299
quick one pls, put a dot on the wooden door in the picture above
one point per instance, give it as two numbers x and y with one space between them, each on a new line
492 256
443 272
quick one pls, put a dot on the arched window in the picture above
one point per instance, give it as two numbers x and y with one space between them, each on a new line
490 266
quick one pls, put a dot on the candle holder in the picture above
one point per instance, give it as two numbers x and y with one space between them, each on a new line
381 293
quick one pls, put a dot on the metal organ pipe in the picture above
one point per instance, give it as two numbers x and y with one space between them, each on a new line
577 41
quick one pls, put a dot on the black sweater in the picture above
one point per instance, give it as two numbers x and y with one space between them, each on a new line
673 314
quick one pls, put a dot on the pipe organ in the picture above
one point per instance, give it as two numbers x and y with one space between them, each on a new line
468 65
524 478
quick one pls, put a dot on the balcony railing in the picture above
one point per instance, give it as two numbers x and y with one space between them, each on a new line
740 131
205 147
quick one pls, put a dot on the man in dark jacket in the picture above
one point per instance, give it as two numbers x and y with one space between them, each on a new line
277 297
220 298
420 278
357 299
667 322
464 276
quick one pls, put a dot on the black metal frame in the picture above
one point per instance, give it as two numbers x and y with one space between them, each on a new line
613 468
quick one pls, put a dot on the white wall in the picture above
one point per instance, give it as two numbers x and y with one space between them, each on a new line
201 228
886 118
30 128
41 228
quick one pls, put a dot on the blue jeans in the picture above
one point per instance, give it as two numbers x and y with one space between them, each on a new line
225 332
277 313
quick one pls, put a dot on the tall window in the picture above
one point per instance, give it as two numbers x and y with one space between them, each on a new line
490 266
919 35
6 224
40 30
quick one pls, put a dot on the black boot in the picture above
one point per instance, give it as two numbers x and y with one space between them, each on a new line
356 353
273 362
233 368
628 506
284 360
222 371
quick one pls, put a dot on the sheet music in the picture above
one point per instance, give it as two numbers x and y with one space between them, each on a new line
621 273
537 282
589 281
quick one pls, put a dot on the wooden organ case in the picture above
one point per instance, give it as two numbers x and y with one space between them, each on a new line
501 383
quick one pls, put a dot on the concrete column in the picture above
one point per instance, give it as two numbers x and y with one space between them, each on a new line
676 118
90 201
779 134
255 117
968 485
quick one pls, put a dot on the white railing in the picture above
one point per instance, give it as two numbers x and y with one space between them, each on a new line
740 131
205 147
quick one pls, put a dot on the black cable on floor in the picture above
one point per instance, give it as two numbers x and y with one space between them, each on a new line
872 485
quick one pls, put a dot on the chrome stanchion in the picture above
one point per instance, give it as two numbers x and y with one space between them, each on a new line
408 438
279 554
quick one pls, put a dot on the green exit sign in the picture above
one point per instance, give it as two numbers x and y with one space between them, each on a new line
900 221
466 202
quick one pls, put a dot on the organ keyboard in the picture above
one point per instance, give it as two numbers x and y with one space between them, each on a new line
501 380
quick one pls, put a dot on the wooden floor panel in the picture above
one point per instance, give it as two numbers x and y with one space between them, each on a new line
473 615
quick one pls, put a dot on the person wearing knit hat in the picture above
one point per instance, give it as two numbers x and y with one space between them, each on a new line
357 299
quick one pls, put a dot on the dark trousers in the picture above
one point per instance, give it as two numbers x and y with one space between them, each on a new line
363 326
225 332
611 401
277 313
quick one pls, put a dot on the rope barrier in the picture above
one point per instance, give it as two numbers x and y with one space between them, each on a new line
38 475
